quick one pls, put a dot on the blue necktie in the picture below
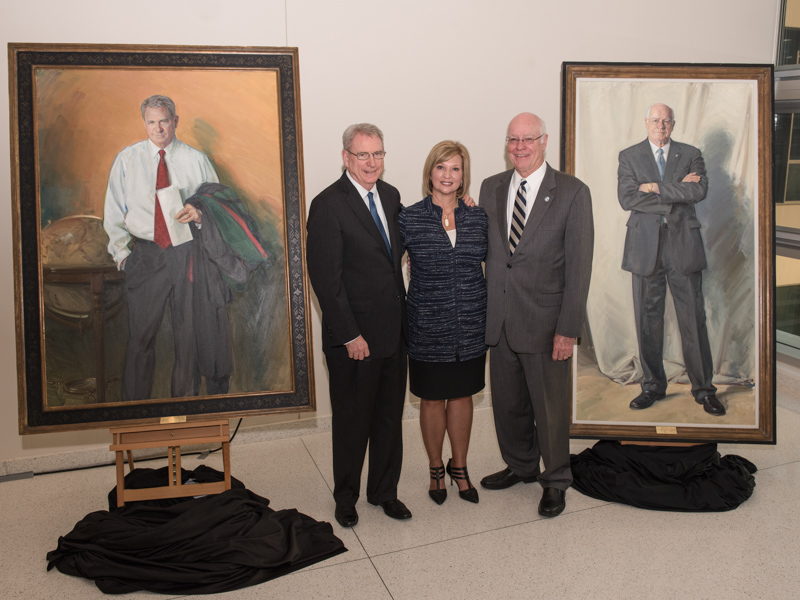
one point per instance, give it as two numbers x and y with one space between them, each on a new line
662 166
374 212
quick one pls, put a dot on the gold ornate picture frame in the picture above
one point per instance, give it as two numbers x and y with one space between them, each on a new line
726 112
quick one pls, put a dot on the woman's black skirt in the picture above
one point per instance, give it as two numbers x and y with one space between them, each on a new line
445 380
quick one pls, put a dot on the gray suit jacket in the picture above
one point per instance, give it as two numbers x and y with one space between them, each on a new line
676 202
541 290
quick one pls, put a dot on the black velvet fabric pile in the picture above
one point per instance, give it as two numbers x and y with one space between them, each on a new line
689 479
190 545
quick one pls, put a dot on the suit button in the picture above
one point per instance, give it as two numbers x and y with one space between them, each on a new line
508 265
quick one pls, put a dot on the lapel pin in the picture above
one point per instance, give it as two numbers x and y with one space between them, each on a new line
547 198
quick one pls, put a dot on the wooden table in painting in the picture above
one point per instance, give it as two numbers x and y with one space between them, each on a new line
94 315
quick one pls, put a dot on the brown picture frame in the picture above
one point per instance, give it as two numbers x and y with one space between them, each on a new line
726 112
73 107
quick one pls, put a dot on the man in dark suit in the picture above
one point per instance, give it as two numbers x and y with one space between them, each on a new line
354 252
541 239
659 182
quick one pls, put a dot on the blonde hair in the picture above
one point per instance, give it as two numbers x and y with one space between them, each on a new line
439 153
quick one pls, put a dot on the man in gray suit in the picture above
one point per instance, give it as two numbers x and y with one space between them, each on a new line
538 266
659 182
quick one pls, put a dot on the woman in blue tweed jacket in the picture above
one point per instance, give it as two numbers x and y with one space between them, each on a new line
446 242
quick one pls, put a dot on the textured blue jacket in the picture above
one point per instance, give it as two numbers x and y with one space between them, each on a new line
447 294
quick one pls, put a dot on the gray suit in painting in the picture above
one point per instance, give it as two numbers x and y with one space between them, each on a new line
663 247
533 294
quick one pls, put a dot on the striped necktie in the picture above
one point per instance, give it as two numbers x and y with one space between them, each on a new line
518 218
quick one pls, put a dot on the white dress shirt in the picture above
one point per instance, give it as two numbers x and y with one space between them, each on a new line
131 194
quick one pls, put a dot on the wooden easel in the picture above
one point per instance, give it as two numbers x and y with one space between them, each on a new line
172 436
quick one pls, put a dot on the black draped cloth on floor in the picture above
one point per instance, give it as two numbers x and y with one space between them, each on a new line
190 545
693 478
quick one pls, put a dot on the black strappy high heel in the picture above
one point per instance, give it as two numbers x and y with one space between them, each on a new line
470 494
439 495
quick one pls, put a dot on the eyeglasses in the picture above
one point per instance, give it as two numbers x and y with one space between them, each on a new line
365 155
665 122
513 141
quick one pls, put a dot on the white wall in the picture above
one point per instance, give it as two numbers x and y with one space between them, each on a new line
423 70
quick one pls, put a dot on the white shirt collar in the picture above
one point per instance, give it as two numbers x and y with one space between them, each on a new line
654 149
361 189
154 149
534 180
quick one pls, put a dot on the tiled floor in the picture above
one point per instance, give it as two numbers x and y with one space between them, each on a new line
497 549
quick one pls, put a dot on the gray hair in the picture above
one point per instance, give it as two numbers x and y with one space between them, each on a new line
367 129
159 102
671 112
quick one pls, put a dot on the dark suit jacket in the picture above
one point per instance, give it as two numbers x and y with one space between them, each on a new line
676 202
541 290
359 286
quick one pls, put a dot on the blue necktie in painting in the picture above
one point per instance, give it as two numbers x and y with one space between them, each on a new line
374 212
517 218
662 166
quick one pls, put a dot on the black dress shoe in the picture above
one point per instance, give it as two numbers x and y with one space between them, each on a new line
646 399
712 405
552 502
505 479
394 509
346 516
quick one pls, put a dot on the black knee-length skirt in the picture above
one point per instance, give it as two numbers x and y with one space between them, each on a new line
445 380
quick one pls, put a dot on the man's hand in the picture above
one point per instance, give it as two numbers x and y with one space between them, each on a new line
649 188
691 178
562 347
358 349
189 213
469 201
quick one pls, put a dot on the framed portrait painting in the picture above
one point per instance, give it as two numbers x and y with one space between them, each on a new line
679 337
158 234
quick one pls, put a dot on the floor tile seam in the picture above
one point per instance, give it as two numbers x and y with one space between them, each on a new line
378 573
340 564
316 466
311 456
791 462
476 533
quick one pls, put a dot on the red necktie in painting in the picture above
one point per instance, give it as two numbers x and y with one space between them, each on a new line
160 232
